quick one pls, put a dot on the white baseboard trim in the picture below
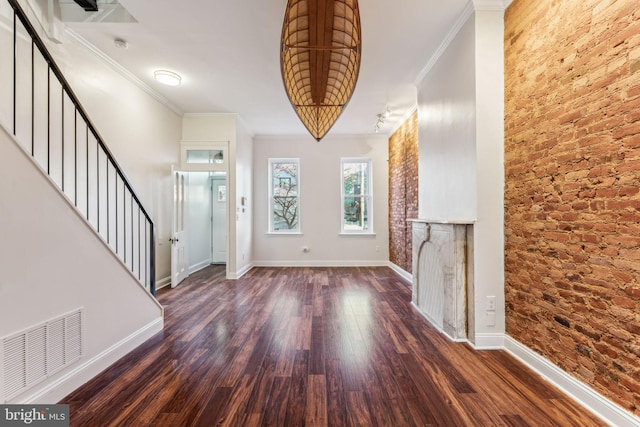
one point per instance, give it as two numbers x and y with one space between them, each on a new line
489 341
433 323
403 273
165 281
60 387
321 263
199 266
610 412
428 318
238 274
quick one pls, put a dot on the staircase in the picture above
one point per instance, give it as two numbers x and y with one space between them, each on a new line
39 108
78 254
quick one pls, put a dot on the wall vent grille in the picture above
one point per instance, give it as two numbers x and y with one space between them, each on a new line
37 353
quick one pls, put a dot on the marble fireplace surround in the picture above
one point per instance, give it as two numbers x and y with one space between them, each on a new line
442 274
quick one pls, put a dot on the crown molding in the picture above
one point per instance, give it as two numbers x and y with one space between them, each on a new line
210 115
491 5
464 16
122 71
243 123
239 119
470 8
329 138
401 121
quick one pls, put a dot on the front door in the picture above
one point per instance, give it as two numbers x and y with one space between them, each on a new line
219 220
179 270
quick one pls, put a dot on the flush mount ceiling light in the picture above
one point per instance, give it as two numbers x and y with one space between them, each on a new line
320 53
167 77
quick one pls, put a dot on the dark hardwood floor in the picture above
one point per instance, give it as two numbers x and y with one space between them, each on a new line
311 346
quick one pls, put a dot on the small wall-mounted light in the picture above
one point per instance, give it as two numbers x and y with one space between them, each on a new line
167 77
218 157
381 119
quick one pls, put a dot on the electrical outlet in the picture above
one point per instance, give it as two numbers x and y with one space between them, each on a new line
491 318
491 303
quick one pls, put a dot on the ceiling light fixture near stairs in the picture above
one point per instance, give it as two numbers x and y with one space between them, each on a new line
167 77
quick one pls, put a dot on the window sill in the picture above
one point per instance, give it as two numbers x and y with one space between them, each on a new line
356 234
283 233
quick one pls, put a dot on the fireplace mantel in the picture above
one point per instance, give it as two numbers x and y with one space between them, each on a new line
442 221
440 273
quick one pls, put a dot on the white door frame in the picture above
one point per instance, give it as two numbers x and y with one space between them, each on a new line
221 166
179 255
217 198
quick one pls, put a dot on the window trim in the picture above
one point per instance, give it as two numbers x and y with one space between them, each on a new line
270 225
368 195
186 146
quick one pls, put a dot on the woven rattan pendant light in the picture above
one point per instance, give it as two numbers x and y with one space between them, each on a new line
320 59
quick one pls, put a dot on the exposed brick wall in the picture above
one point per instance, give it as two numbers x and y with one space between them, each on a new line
403 190
572 200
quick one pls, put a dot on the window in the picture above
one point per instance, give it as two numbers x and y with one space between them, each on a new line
203 156
356 196
284 195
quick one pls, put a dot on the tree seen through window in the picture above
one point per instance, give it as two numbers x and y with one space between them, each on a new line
284 195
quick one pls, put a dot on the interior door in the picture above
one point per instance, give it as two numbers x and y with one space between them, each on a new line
179 270
219 220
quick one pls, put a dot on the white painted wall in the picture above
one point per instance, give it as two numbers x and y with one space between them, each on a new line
145 141
226 128
461 165
320 203
244 188
446 133
489 227
198 220
53 263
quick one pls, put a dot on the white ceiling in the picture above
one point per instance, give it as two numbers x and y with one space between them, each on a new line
227 52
